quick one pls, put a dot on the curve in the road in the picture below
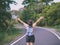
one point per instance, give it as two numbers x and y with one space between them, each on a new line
37 27
51 32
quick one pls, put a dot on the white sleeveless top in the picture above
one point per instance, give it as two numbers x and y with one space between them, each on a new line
29 31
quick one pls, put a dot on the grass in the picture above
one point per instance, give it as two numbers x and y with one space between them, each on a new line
57 27
7 37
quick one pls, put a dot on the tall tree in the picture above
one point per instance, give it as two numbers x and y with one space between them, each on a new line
52 14
46 1
5 15
27 2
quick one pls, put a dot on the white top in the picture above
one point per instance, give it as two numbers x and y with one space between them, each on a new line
29 31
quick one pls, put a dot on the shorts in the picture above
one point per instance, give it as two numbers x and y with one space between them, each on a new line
30 38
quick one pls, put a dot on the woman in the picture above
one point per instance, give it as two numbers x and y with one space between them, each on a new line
30 38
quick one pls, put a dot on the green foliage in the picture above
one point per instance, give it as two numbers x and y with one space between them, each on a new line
52 14
31 10
5 16
46 1
9 35
27 2
27 14
35 10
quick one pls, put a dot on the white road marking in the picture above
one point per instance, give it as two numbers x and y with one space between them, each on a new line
18 40
51 32
37 27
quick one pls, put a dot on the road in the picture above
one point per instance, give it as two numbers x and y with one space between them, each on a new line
42 37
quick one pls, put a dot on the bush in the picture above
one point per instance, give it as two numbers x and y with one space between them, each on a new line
57 22
8 36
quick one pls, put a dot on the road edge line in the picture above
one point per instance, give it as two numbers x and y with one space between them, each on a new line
51 32
18 40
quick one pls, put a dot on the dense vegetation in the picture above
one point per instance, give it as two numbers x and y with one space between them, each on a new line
34 9
7 32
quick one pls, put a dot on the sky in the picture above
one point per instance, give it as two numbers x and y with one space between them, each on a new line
19 4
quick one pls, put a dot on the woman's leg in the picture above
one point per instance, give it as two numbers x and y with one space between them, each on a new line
31 43
32 40
28 43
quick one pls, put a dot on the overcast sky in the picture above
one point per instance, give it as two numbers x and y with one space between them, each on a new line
19 5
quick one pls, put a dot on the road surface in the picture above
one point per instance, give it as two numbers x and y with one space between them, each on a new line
42 37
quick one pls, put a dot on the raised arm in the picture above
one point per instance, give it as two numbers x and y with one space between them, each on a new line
34 24
22 22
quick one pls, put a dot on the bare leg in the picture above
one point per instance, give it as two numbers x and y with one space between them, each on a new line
27 43
31 43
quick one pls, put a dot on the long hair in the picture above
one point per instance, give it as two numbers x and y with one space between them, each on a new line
30 22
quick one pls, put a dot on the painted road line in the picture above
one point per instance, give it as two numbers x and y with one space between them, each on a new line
18 40
51 32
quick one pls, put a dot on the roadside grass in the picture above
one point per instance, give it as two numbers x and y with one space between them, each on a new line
57 27
7 37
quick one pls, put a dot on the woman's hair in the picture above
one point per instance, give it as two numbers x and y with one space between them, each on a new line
30 22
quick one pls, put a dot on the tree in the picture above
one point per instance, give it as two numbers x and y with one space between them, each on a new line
5 16
52 14
46 1
32 9
28 2
42 7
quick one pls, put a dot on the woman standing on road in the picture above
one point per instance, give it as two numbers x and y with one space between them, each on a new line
30 38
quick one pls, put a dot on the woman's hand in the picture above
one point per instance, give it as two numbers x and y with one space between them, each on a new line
42 17
22 22
34 24
18 18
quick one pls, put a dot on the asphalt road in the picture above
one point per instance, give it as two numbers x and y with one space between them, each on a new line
42 37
